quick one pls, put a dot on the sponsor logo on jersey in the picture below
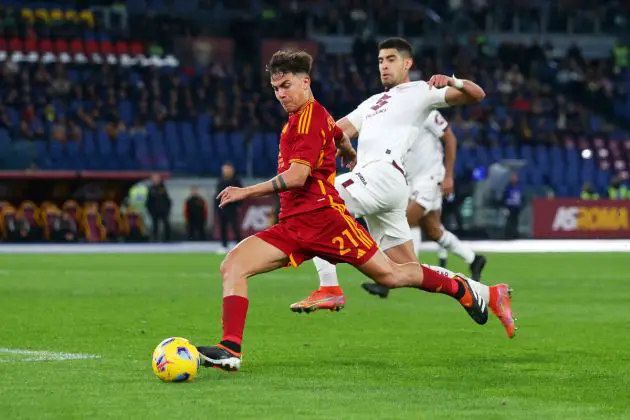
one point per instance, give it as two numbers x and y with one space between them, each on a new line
361 178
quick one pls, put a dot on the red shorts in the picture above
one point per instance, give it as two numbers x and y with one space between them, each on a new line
330 233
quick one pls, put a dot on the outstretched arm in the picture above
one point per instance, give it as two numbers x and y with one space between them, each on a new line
294 177
450 152
460 91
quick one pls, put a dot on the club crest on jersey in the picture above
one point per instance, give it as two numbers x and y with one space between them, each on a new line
382 101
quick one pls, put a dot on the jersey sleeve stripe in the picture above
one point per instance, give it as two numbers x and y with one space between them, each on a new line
305 120
302 119
302 161
308 121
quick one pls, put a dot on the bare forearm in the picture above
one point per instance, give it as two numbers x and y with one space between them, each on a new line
343 143
279 183
473 92
450 151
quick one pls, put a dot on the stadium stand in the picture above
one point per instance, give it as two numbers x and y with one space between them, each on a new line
83 90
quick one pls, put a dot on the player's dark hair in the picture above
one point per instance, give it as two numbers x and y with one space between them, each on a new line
285 61
399 44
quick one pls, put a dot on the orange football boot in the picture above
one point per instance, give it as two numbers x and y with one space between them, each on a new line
330 298
500 299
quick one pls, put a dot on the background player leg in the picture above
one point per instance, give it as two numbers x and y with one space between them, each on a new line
416 238
432 228
442 254
236 268
415 213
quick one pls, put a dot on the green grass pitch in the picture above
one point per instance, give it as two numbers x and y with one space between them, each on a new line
411 356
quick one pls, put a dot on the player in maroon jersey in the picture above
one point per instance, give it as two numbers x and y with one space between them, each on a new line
313 218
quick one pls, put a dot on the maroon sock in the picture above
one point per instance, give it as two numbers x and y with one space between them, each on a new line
234 314
435 282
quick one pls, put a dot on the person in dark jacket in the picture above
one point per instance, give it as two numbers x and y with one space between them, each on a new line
159 207
228 215
513 202
196 215
64 229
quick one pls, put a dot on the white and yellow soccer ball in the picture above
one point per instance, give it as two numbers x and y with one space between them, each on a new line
175 360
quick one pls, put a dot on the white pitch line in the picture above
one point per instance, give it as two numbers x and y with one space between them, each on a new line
43 355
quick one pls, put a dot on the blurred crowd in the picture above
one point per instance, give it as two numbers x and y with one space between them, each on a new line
533 99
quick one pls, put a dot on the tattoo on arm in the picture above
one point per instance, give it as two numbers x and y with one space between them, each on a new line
283 185
278 184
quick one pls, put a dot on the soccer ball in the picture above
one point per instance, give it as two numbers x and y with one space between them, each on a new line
175 360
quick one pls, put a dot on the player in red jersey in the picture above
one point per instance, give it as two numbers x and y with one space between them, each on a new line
313 218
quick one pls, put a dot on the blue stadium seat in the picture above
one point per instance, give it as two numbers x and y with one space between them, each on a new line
41 149
72 149
204 123
125 112
141 147
171 138
557 174
588 170
222 146
596 123
206 147
259 163
602 179
5 139
189 142
272 141
89 142
238 153
527 153
123 145
510 152
56 150
104 143
496 154
562 191
572 175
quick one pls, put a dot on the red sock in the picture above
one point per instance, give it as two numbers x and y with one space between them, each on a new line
435 282
234 314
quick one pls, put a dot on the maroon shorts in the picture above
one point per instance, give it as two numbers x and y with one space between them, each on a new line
330 233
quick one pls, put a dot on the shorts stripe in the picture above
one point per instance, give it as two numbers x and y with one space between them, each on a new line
352 224
321 186
358 232
292 261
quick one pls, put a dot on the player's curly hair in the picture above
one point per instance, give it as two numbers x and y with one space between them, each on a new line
285 61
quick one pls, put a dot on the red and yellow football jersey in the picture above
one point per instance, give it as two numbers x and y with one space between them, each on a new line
309 138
